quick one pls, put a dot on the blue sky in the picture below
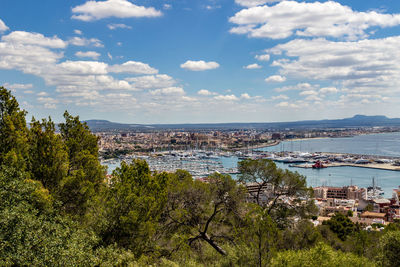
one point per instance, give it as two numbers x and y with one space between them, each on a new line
178 61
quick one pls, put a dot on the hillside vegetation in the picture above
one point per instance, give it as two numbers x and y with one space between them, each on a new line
58 207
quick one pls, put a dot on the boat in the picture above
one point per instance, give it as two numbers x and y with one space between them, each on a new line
374 191
318 165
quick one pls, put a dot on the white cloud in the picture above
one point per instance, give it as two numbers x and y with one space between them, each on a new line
168 91
205 92
42 94
79 41
79 32
363 66
82 68
277 97
15 86
299 86
245 96
328 90
251 3
95 10
48 102
115 26
226 97
308 92
152 81
31 38
167 6
252 66
265 57
308 19
199 65
3 26
133 67
275 79
89 54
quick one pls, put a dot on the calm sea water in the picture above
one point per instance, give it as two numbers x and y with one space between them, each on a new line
387 144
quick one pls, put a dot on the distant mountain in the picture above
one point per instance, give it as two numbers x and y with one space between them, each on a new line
356 121
101 125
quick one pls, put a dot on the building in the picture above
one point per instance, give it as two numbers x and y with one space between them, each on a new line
345 192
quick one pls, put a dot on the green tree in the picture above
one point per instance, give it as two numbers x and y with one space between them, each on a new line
86 175
390 249
48 155
13 132
131 207
321 255
198 212
285 194
32 233
341 225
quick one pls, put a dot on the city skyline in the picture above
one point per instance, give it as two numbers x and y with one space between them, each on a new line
208 61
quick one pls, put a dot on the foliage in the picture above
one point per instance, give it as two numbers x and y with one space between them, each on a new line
132 206
85 173
341 225
48 156
277 185
390 249
13 132
31 232
198 212
321 255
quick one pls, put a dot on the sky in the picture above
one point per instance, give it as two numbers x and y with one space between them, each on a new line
202 61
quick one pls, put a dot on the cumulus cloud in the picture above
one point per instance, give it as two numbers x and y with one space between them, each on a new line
245 96
79 41
48 102
95 10
167 6
265 57
200 65
115 26
88 54
226 98
30 38
16 86
328 90
133 67
152 81
252 66
79 32
205 92
365 65
282 97
289 18
169 91
3 26
275 79
299 86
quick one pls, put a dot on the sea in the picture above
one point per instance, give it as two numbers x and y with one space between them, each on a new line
384 144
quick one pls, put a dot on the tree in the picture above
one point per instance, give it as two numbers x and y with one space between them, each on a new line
390 249
32 232
321 255
13 132
341 225
131 207
85 173
199 211
286 192
48 155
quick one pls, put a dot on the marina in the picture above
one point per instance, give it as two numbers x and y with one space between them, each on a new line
341 168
